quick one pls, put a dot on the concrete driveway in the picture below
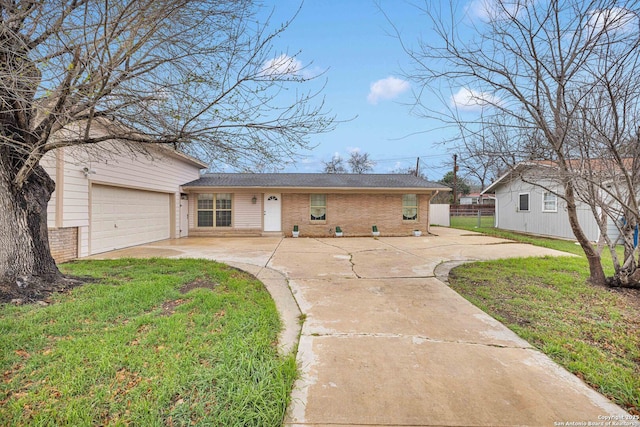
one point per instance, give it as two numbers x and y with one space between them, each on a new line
386 342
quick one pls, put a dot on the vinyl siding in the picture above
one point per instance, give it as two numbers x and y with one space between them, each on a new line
245 213
535 221
162 174
48 162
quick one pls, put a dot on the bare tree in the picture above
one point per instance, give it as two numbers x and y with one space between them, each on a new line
200 75
360 162
484 155
411 170
335 165
534 69
607 173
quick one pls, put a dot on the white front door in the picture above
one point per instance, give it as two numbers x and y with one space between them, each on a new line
184 215
272 212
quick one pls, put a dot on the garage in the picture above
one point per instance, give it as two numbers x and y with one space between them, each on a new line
123 217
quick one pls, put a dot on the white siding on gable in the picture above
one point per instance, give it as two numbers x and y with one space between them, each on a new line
161 173
75 195
536 220
164 173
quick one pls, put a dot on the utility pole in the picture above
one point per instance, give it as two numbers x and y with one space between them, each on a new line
418 167
455 179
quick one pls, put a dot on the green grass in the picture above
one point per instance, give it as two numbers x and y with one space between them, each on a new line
547 242
592 331
132 349
471 222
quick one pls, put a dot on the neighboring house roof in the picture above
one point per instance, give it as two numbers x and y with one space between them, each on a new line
316 181
514 172
476 194
579 167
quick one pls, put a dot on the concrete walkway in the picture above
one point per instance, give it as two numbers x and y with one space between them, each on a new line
387 343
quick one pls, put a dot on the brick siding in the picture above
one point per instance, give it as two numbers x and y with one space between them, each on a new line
354 213
63 243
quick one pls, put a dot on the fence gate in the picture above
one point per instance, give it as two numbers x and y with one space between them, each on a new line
439 215
472 216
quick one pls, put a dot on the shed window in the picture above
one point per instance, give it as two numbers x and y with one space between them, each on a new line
207 210
318 207
409 207
523 202
549 202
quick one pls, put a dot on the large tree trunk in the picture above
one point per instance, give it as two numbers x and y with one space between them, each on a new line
26 264
596 272
628 276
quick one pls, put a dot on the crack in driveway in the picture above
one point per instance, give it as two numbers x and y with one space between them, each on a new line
416 339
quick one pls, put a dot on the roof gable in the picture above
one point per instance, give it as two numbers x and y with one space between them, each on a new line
604 168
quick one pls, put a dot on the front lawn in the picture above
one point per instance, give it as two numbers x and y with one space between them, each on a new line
592 331
150 342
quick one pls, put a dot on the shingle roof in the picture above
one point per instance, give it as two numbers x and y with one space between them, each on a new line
314 180
607 168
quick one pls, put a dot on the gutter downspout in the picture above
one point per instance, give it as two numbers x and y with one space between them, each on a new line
429 214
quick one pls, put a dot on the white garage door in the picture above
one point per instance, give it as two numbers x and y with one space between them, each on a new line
122 217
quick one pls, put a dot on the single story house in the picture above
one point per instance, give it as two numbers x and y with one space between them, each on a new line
255 204
476 199
108 199
536 208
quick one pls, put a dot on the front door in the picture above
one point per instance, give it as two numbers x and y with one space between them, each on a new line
272 212
184 215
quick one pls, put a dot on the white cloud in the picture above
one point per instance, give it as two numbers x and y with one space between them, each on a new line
613 20
282 66
480 9
492 10
388 88
472 100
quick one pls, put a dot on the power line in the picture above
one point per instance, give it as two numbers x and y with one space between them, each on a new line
424 157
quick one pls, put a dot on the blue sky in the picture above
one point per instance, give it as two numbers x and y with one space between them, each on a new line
355 43
351 40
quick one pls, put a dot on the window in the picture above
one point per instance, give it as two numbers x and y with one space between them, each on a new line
549 202
318 207
409 207
221 211
523 202
205 210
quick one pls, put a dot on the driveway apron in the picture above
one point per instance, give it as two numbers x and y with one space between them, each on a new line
386 343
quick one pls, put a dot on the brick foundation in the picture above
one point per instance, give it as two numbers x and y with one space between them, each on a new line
63 243
354 213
